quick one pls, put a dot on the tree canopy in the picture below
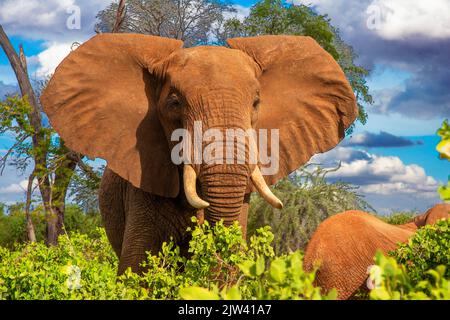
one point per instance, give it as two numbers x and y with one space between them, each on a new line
278 17
199 22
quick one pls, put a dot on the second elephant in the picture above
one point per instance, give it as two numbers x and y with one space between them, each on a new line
345 244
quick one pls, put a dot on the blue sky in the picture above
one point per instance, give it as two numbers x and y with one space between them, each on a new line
405 44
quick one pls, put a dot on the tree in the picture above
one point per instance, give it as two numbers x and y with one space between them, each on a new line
84 188
53 163
192 21
277 17
36 142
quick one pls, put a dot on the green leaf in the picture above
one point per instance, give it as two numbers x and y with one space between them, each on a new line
246 267
233 294
277 270
260 266
197 293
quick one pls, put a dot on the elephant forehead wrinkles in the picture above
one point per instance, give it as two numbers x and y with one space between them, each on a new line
208 66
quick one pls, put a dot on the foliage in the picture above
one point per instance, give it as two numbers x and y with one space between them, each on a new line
84 186
392 281
16 123
221 265
220 261
13 224
308 200
429 248
53 163
397 218
279 17
283 278
444 152
78 268
192 21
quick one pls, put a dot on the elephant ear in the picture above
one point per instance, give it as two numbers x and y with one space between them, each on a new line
304 94
101 101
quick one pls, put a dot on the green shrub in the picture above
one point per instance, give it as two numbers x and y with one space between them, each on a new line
220 260
391 281
427 249
13 224
398 217
221 265
78 268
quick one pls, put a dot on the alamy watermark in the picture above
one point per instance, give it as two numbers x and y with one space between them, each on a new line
377 13
73 22
229 146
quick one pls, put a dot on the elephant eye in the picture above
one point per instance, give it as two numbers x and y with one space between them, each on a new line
256 103
173 100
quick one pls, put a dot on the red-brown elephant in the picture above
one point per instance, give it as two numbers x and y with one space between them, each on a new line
345 245
121 97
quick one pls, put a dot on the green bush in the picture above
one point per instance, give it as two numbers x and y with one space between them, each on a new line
398 217
78 268
427 249
221 265
13 224
220 261
391 281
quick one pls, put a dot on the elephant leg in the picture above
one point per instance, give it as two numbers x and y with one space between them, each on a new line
149 222
140 236
111 205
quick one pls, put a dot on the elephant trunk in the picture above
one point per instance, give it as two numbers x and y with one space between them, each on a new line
223 186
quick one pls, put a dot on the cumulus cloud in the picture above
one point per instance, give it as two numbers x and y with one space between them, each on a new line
382 178
412 36
344 154
19 187
49 59
383 175
377 140
402 19
51 19
390 20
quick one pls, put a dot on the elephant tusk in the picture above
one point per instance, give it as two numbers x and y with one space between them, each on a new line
263 189
189 181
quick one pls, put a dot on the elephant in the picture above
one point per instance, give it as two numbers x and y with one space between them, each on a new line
121 97
344 246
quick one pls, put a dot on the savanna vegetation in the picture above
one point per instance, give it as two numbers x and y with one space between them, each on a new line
221 266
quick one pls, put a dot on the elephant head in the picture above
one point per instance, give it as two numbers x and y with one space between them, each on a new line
121 96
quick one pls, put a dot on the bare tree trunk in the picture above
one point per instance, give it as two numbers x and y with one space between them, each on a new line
120 16
39 138
31 234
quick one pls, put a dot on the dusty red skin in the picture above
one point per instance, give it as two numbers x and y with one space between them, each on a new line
120 96
346 244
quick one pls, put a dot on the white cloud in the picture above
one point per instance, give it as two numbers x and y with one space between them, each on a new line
240 14
47 20
405 18
378 175
391 20
49 59
386 182
19 187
